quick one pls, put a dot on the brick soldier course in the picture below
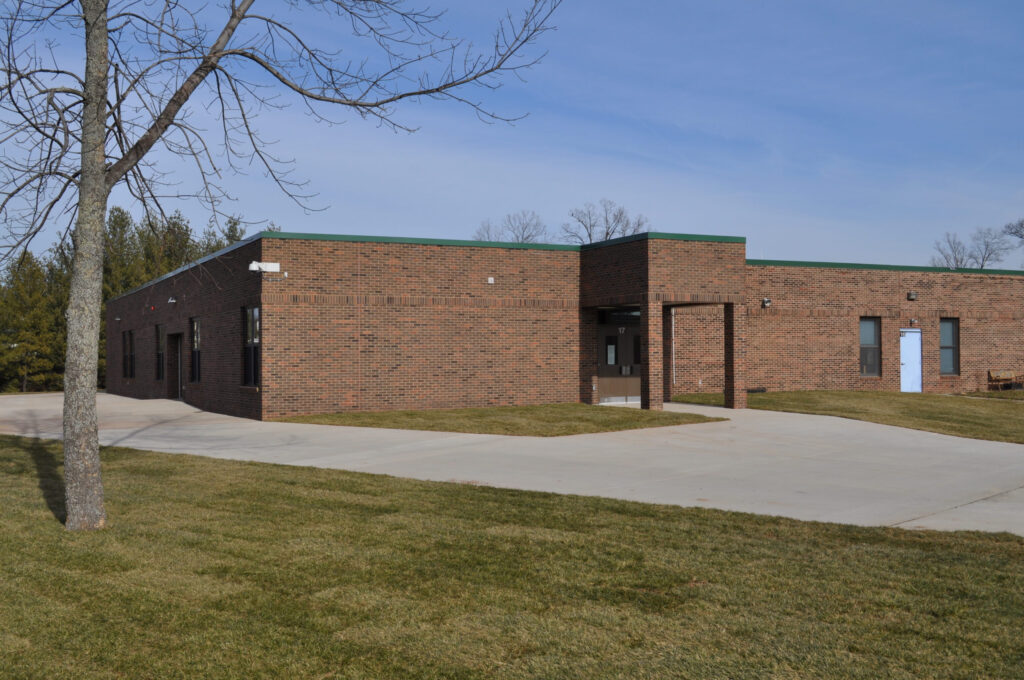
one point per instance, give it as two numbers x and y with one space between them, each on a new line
372 323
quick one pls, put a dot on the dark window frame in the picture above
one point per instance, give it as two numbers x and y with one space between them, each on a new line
161 351
870 353
195 337
955 347
251 346
128 354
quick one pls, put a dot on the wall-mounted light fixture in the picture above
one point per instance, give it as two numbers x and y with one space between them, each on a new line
912 295
171 300
766 303
117 318
913 322
265 267
268 268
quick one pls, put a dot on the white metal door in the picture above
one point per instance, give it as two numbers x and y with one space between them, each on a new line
910 360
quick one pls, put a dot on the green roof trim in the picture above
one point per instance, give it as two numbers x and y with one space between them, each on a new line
886 267
353 238
665 236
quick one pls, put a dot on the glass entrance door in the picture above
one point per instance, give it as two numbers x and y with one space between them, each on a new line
621 355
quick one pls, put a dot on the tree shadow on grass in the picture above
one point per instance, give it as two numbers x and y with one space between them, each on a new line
50 479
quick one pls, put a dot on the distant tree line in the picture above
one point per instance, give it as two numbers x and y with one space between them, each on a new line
588 224
34 289
984 248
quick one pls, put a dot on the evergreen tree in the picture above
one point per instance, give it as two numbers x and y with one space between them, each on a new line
34 290
29 346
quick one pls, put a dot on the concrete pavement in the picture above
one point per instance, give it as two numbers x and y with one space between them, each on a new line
806 467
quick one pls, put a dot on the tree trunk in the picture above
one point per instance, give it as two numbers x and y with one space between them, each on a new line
82 482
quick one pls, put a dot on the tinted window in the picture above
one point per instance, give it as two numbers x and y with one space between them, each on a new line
949 346
870 346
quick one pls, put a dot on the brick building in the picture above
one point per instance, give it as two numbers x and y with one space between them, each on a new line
369 323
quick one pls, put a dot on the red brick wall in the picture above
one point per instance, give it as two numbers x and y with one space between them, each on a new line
696 271
376 326
808 338
215 293
613 274
698 339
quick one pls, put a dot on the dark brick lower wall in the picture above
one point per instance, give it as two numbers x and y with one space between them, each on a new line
215 293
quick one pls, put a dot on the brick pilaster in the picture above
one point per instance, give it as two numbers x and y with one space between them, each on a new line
735 353
651 380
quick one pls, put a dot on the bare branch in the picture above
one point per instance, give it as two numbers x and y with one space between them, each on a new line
161 55
592 223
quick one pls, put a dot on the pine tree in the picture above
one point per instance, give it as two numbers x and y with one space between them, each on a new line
28 332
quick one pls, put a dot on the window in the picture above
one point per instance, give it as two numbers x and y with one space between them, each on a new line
949 346
611 348
638 352
251 346
870 346
194 373
161 346
128 354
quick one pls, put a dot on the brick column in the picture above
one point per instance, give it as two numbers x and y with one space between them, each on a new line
666 352
651 381
735 351
589 348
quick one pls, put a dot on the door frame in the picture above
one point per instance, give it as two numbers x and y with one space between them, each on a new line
907 382
621 382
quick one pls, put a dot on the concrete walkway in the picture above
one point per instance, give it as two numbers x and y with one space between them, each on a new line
806 467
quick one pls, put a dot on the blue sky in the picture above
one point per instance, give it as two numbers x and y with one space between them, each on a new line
845 131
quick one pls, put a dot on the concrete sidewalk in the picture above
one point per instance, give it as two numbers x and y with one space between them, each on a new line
806 467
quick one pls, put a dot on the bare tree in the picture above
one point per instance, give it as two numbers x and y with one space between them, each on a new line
1015 229
987 247
152 71
524 226
952 252
592 223
487 231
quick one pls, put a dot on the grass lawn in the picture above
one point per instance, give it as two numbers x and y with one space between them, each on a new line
1013 395
551 420
962 416
223 569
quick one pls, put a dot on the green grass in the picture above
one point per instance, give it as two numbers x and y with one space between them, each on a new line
1013 395
551 420
224 569
962 416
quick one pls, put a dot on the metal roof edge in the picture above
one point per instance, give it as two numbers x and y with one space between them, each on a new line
887 267
355 238
666 236
184 268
